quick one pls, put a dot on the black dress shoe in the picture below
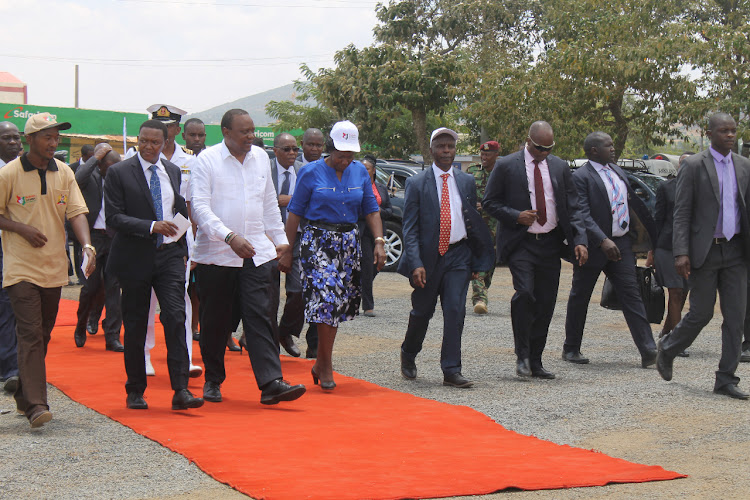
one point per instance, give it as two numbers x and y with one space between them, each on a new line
212 392
408 368
664 364
683 354
115 346
183 399
80 337
648 358
575 357
732 391
135 401
280 390
287 342
542 373
523 368
457 380
745 356
311 352
197 336
232 345
92 328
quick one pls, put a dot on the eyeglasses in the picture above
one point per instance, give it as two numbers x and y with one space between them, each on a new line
286 149
541 148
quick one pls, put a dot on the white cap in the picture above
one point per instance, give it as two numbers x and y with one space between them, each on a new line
345 136
441 131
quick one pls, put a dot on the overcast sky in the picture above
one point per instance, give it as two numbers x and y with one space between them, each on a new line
194 54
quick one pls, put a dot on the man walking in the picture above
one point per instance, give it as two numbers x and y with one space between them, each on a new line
488 153
445 241
534 198
711 245
37 192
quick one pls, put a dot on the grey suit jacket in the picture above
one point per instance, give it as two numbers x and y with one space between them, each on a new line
275 172
696 208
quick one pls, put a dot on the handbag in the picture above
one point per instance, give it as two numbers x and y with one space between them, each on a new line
651 293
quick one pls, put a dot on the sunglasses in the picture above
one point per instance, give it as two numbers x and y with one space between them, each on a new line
541 148
286 149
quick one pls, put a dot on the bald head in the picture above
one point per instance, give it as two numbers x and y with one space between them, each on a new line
599 147
540 140
285 148
722 130
716 119
284 137
312 144
10 142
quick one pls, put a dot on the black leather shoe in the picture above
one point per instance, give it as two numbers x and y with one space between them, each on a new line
745 356
135 401
683 354
542 373
280 390
311 352
408 368
212 392
196 336
732 391
648 358
664 364
183 399
92 328
80 337
232 345
575 357
287 342
115 346
457 380
523 368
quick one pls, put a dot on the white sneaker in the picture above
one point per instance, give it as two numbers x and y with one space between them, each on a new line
195 371
149 368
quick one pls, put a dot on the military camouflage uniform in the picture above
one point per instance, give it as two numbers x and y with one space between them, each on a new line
480 285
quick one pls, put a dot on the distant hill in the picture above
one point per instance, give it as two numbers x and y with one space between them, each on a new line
253 104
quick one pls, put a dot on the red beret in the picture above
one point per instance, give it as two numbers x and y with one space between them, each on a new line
490 146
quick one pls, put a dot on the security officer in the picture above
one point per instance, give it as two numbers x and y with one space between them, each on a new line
488 153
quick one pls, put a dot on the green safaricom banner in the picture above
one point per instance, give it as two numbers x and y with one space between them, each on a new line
83 121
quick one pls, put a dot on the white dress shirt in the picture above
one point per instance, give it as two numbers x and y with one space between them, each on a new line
167 193
229 196
184 161
458 227
100 222
549 194
280 178
600 169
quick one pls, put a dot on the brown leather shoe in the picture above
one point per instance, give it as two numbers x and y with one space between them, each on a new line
40 418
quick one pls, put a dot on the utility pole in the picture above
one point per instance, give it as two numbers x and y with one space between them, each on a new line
76 88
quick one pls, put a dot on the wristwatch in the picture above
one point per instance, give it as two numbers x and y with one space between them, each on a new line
380 238
90 247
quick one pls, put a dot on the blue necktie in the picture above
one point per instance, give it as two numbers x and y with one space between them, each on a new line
155 188
618 202
284 190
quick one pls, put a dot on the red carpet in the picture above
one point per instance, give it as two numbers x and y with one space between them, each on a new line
360 441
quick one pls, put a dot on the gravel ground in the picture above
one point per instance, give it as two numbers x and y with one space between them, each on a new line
611 405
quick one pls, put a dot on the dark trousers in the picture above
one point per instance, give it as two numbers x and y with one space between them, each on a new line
8 353
219 285
78 257
369 271
622 275
168 282
746 340
724 271
101 284
293 318
535 267
449 280
35 309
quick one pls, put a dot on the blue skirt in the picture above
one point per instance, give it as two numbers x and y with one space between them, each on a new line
330 275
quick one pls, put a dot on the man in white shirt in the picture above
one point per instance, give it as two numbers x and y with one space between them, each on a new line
239 234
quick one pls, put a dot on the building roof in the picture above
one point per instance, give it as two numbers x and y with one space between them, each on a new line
8 78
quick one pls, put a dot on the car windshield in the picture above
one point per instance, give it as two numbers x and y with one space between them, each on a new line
652 181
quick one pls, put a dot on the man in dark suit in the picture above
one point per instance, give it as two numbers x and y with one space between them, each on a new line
284 169
90 178
615 220
711 244
445 241
87 151
141 197
532 195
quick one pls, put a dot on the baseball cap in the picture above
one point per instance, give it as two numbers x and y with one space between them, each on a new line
345 136
43 121
441 131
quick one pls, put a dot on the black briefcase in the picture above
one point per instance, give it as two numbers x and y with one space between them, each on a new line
651 294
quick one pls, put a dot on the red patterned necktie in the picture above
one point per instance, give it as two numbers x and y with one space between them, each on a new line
445 217
541 205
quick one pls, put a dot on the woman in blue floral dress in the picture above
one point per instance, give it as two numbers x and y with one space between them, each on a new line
331 194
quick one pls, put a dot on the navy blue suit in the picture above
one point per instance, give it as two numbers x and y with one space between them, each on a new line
534 260
596 208
447 276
